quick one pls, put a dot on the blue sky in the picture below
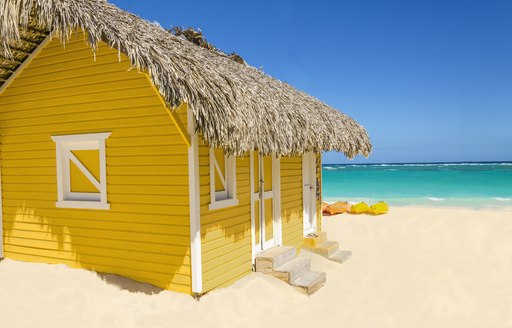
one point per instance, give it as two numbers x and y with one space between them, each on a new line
430 80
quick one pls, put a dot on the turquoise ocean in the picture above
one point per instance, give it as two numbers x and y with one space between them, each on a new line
475 185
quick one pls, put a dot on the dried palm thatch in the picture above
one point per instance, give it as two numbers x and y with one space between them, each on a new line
236 106
196 37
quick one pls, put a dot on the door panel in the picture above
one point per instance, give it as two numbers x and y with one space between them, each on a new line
256 172
269 221
267 173
257 222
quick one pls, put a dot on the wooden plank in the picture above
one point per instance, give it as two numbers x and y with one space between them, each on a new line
26 230
89 262
144 218
70 117
170 262
226 275
215 243
48 65
42 109
34 223
225 248
66 126
99 87
234 225
121 132
235 275
114 244
72 80
114 207
237 231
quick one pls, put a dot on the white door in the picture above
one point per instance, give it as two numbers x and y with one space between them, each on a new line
309 192
265 216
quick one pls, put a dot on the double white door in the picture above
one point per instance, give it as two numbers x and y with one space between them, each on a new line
264 202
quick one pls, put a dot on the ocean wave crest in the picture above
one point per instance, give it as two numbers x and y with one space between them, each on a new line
423 164
435 199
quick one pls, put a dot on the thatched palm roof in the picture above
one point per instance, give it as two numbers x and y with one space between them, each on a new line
236 106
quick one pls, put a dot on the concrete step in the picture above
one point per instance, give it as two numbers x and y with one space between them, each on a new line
315 239
327 248
340 256
310 282
267 261
292 270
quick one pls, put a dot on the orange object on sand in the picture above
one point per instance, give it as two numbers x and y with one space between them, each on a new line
325 205
338 208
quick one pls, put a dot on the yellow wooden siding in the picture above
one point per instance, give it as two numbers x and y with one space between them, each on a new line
145 235
291 201
319 192
226 233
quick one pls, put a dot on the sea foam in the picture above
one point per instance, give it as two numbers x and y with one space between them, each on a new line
435 199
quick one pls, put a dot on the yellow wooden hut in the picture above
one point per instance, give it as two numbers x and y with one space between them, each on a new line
128 150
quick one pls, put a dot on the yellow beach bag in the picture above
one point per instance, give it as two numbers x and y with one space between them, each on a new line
359 208
379 208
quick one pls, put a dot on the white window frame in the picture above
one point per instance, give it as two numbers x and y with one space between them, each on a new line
227 197
63 146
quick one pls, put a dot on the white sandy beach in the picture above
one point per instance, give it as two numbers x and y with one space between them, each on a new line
415 267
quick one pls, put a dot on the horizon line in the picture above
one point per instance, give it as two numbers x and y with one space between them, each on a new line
398 163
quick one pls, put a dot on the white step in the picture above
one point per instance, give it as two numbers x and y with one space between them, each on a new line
310 282
313 240
267 261
327 248
340 256
292 270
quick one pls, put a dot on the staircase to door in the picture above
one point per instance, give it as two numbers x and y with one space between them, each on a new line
268 254
281 262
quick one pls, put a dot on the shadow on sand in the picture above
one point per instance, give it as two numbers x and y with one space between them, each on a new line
128 284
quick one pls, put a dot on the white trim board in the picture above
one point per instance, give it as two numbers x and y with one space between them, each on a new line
278 230
309 193
253 218
1 216
195 214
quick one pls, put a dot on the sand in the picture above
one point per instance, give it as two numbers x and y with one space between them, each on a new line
411 268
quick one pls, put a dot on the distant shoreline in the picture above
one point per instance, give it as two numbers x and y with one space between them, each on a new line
421 163
440 207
